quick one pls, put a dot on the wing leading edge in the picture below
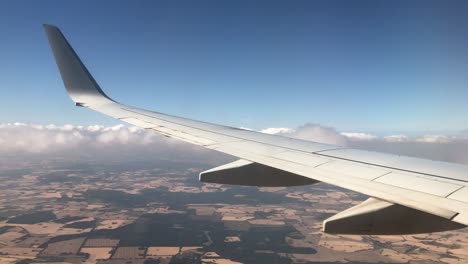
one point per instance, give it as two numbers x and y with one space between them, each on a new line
404 190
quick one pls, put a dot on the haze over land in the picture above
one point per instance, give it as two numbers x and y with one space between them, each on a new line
119 194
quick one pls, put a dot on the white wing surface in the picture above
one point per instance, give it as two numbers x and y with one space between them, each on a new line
408 195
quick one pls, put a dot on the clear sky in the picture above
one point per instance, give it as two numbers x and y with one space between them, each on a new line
370 66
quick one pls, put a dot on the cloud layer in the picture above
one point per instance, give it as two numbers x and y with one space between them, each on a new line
435 147
44 139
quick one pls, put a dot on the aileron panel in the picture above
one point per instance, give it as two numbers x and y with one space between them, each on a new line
415 183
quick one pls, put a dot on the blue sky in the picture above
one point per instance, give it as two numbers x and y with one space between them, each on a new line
371 66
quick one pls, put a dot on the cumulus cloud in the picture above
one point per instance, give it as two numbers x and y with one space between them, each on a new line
277 130
358 136
314 132
434 139
311 132
120 139
323 134
396 138
20 137
436 147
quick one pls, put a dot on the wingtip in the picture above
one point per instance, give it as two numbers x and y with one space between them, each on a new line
81 86
49 26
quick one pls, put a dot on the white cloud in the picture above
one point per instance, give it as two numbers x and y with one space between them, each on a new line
329 135
277 130
44 139
436 147
358 136
49 138
434 139
318 133
396 138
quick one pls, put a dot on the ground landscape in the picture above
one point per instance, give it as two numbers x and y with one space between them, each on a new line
126 210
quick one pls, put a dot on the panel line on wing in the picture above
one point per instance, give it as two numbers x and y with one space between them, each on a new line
220 133
385 174
461 187
332 149
393 168
394 194
310 153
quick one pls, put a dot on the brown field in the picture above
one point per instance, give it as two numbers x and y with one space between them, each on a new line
186 189
211 254
122 261
64 247
214 258
8 260
184 249
94 206
97 253
23 252
9 237
32 241
205 211
48 228
220 261
266 222
128 253
237 218
162 251
50 195
339 243
101 242
112 224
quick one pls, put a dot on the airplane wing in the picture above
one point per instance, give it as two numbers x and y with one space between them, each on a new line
407 195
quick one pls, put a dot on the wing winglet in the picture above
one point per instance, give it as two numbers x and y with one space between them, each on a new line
80 85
